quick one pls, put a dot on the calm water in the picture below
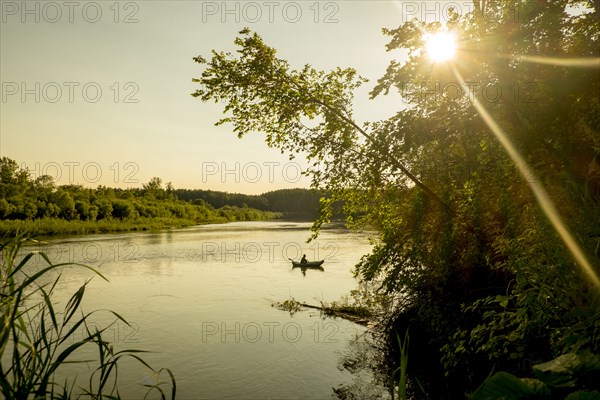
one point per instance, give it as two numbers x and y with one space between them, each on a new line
200 298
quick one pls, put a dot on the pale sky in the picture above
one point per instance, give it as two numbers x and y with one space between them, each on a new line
55 58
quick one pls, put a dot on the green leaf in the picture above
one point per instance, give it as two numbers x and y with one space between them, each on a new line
505 386
581 395
568 369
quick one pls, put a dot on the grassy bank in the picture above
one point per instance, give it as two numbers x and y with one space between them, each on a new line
57 226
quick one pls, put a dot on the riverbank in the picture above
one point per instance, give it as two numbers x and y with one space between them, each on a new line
56 226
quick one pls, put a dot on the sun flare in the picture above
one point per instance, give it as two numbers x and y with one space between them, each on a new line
440 46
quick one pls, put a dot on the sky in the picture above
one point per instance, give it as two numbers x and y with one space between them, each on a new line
99 93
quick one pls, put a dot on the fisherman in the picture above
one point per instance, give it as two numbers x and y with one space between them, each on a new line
304 260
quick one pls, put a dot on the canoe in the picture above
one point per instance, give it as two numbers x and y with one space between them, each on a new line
310 264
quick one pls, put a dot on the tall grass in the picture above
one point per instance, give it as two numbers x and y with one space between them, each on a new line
57 226
399 378
37 338
400 382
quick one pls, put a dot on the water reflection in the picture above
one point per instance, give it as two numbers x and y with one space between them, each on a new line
304 269
196 298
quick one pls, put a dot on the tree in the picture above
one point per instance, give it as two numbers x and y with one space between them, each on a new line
83 210
44 185
5 208
14 180
169 189
153 188
476 269
122 209
66 204
105 208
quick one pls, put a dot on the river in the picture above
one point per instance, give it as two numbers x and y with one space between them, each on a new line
199 299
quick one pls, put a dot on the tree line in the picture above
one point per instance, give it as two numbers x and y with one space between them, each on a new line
293 203
25 198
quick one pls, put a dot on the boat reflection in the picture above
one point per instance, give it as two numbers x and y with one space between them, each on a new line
304 268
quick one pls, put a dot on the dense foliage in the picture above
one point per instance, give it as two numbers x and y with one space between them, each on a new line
47 208
475 268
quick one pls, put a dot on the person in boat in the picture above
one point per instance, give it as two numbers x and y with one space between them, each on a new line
304 260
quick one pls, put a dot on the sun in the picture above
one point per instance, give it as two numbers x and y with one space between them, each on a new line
440 46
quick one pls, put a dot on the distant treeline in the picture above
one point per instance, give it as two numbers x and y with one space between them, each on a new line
39 205
292 203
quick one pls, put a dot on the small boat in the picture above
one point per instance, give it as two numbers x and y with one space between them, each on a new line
309 264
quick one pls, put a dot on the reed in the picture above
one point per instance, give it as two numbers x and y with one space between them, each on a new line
400 383
58 226
37 337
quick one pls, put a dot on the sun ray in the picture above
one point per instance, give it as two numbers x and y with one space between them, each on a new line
540 193
585 62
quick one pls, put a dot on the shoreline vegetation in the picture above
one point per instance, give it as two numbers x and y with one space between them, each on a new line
36 206
57 226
